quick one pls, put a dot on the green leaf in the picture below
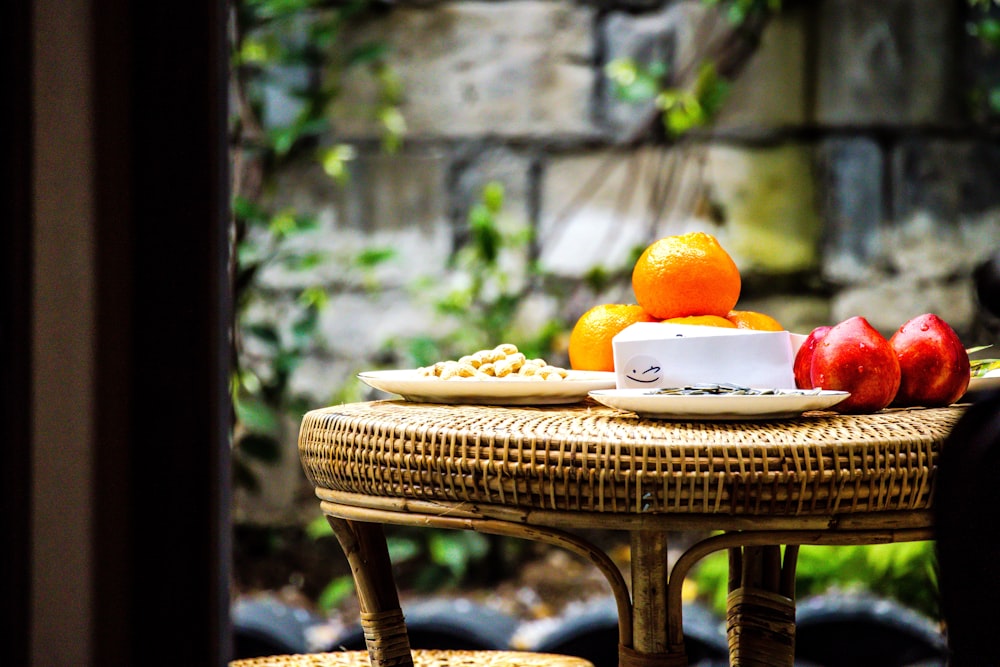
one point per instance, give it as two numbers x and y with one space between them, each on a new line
634 83
248 211
485 236
423 350
305 327
367 53
334 593
401 548
372 257
493 193
335 160
394 125
980 367
319 527
283 223
256 415
284 138
304 261
265 333
261 447
597 279
314 297
994 99
454 550
255 51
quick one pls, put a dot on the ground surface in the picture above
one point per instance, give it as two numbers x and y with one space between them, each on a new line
532 583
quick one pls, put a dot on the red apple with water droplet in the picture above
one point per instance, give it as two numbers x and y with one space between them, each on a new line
933 363
853 356
802 367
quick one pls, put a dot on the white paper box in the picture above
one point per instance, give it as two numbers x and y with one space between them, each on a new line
658 354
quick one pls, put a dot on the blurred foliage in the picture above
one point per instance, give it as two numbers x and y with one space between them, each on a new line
683 109
283 53
491 272
905 572
984 25
434 559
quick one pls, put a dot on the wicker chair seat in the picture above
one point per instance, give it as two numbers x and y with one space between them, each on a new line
421 658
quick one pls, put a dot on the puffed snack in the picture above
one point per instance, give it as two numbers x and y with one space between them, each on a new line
504 361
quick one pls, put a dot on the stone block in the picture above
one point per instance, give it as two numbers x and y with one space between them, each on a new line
662 38
797 312
890 62
597 208
766 200
923 247
770 90
394 202
508 69
890 302
853 209
946 178
361 326
476 165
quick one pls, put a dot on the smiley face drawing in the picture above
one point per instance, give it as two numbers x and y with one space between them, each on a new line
643 371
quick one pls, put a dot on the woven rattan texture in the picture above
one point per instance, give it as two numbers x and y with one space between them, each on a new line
421 658
593 458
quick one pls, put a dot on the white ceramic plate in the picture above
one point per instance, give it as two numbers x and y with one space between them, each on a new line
499 391
977 385
717 406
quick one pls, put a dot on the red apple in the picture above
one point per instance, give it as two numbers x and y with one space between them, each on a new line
933 363
853 356
802 368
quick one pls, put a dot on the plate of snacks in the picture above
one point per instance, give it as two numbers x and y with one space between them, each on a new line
499 376
718 402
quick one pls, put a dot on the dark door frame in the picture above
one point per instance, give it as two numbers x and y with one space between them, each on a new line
160 544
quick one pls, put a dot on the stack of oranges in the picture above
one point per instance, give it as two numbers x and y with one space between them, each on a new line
683 279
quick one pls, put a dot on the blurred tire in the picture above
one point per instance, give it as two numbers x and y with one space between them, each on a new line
853 630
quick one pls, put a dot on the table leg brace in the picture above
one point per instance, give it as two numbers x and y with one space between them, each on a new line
760 618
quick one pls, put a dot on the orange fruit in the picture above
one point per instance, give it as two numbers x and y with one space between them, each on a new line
590 340
687 274
703 320
751 319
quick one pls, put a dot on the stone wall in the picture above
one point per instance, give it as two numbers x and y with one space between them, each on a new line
846 174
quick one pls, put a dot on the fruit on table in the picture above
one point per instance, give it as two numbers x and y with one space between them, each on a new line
703 321
686 274
590 346
802 367
854 357
751 319
934 365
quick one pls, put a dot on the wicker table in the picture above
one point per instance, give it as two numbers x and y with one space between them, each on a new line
759 489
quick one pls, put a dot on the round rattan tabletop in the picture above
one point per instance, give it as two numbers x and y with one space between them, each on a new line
591 459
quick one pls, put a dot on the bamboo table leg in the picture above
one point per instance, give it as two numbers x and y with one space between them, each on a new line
381 616
650 644
760 619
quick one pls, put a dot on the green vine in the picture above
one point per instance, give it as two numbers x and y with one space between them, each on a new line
491 273
287 63
696 105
